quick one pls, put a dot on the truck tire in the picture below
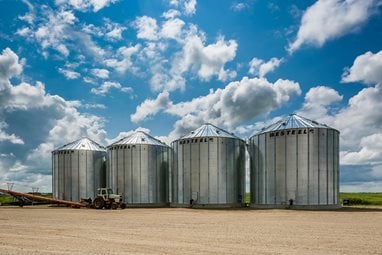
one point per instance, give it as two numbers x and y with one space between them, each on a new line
114 206
123 205
98 203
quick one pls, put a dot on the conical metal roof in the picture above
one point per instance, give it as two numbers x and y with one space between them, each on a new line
293 121
82 144
209 130
138 137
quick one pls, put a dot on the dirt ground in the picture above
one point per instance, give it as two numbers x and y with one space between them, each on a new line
50 230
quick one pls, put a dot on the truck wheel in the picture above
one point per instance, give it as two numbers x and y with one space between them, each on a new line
98 203
114 206
123 205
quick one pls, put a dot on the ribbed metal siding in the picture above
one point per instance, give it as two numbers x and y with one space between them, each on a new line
209 170
77 173
139 172
298 164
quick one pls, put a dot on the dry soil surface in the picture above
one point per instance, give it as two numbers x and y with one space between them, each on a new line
49 230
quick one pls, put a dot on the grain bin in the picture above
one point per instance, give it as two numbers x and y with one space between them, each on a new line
138 169
208 169
295 161
78 170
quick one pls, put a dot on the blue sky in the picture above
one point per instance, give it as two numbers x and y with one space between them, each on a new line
103 68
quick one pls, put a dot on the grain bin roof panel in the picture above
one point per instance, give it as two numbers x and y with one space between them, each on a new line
82 144
208 130
139 137
293 121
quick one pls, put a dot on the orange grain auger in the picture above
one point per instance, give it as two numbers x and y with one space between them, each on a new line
23 197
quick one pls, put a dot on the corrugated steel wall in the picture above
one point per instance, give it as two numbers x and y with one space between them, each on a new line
299 164
139 173
208 170
77 173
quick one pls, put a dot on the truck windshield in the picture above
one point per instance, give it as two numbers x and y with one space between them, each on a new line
109 191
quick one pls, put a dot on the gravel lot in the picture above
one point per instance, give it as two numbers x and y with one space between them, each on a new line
51 230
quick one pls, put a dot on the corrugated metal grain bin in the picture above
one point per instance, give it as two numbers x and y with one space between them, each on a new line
138 169
78 170
208 169
295 161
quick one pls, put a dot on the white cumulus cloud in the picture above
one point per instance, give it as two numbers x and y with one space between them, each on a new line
69 74
261 68
318 100
100 73
123 60
85 5
172 28
147 28
239 101
366 68
188 7
107 86
150 107
9 67
209 60
329 19
37 123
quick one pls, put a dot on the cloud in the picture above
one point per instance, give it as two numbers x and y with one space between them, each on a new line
261 68
93 106
366 68
237 7
170 63
54 32
172 28
100 73
110 31
147 28
362 117
107 85
123 60
238 102
370 152
115 34
206 61
69 74
171 14
85 5
317 102
150 107
9 67
329 19
30 16
26 143
58 31
84 43
12 138
188 7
